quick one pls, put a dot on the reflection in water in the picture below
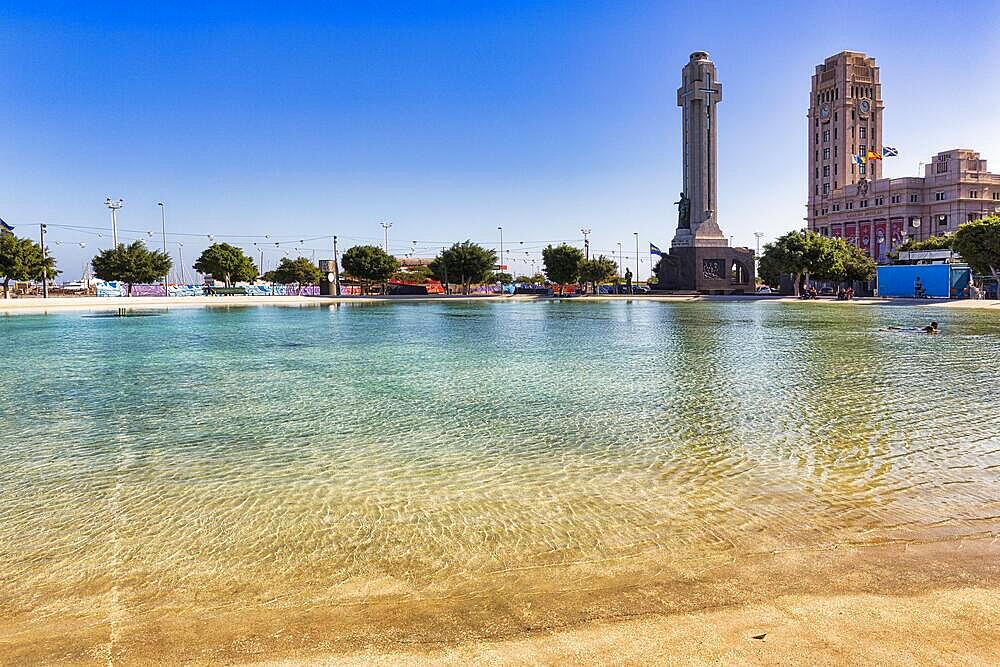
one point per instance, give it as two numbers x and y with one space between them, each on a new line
417 472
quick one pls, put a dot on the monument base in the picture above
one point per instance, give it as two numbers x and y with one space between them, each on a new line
707 269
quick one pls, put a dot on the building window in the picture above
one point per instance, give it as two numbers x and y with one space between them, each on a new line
996 196
864 203
826 153
850 206
895 199
973 194
836 207
942 220
834 151
942 167
826 188
879 201
862 150
826 136
862 133
815 212
835 180
861 169
835 133
826 171
914 199
825 231
939 196
815 172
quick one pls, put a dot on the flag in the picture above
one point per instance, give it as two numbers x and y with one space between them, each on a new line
858 159
889 151
872 155
653 250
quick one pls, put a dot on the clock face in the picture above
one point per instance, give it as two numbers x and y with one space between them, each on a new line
824 110
865 106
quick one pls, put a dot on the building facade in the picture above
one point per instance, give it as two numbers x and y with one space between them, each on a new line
853 201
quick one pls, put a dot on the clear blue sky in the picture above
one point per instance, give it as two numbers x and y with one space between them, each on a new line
449 118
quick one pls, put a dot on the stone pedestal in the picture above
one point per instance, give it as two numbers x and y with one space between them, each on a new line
707 270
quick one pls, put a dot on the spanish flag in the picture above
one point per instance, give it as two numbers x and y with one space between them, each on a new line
872 155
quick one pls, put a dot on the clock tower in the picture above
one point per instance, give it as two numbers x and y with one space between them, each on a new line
845 119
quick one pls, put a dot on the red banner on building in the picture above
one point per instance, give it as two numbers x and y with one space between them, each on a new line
837 231
851 232
865 231
881 243
897 233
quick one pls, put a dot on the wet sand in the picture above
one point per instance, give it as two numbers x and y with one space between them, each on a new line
905 603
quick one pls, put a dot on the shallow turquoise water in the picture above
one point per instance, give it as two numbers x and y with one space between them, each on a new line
234 458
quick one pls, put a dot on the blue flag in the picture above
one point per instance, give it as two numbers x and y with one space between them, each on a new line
889 151
653 250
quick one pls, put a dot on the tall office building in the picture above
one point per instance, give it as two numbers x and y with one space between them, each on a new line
853 201
845 119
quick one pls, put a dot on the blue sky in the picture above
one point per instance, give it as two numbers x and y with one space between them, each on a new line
447 118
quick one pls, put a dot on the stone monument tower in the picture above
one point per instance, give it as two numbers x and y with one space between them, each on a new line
700 258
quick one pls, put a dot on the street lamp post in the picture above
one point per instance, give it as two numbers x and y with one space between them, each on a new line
114 206
634 280
180 261
586 243
45 271
336 269
619 259
500 258
163 231
386 226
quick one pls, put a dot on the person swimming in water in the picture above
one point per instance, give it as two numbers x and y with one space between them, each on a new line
931 328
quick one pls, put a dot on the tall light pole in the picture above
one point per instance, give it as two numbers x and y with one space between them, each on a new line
163 231
501 249
586 243
756 257
180 260
45 271
114 206
386 226
636 279
336 269
619 259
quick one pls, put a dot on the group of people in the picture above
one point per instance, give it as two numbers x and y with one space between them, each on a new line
845 294
974 292
809 292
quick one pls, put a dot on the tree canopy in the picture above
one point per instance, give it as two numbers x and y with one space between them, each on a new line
598 270
131 264
299 270
503 278
21 259
369 264
227 262
978 242
806 253
466 263
940 242
562 263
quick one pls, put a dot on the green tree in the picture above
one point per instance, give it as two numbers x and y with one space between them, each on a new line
299 270
467 263
369 264
940 242
850 263
131 264
227 262
598 270
21 259
416 274
798 254
978 242
562 264
503 278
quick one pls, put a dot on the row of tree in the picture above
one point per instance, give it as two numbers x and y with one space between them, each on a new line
978 243
806 254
